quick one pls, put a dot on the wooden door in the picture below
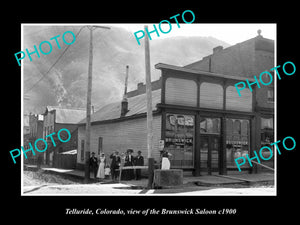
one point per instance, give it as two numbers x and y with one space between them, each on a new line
209 153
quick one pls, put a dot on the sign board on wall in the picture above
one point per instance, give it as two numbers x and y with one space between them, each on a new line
161 145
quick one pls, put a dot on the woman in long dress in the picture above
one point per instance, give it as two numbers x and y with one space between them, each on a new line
165 163
101 169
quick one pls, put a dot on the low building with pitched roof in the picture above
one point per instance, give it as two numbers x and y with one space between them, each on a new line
111 130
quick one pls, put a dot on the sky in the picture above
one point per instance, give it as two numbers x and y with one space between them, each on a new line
231 33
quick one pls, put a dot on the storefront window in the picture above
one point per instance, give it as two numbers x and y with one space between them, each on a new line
267 131
270 94
237 140
210 126
179 139
267 137
267 123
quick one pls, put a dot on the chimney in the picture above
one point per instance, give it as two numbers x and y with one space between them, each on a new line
217 49
124 107
140 85
141 88
124 103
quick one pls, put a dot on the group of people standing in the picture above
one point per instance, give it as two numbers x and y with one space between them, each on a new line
102 170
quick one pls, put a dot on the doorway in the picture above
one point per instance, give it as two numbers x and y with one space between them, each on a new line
209 153
210 133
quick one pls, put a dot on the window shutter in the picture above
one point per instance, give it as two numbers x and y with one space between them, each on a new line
236 102
211 96
181 92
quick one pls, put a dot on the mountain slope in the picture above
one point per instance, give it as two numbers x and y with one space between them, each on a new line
66 83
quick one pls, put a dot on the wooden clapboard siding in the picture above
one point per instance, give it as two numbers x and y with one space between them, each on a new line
236 102
211 95
181 92
121 136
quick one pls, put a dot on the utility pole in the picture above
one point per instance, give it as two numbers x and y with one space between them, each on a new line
88 106
149 112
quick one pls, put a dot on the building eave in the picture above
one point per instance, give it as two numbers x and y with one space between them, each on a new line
121 119
198 72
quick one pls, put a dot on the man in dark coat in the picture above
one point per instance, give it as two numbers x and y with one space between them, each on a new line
94 164
138 161
40 160
129 161
115 164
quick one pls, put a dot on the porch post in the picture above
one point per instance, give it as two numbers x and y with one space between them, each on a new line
222 154
197 146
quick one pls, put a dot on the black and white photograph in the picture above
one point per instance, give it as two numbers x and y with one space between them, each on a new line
156 109
140 112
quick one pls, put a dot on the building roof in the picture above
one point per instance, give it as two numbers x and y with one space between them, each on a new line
200 72
136 105
67 115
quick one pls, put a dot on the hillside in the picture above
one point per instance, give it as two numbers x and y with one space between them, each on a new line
66 83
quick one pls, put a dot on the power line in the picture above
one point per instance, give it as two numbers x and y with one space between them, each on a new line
53 64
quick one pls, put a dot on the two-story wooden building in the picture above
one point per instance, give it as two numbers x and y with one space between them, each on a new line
197 112
56 118
35 132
